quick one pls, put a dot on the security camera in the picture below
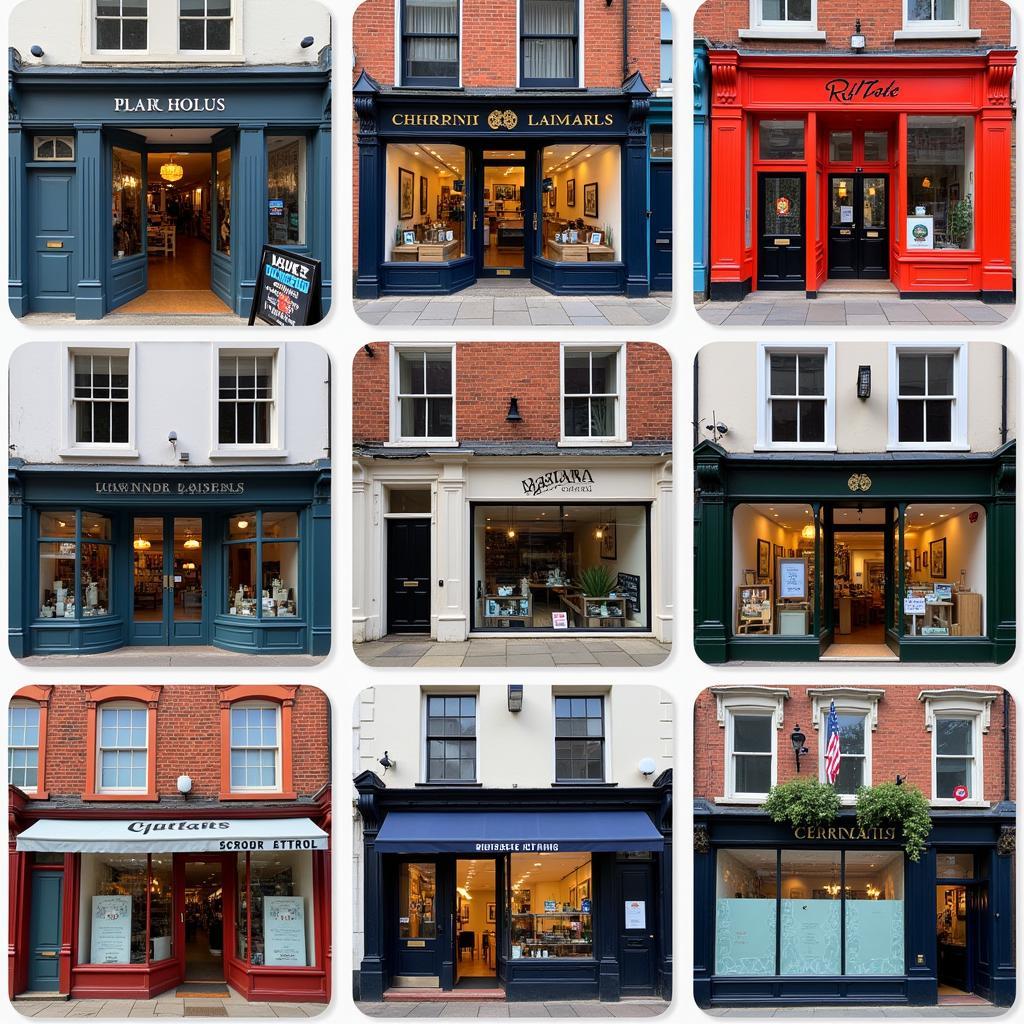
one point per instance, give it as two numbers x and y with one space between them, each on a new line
172 436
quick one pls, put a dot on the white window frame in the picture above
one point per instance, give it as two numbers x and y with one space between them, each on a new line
398 440
457 690
959 440
849 701
276 447
620 437
745 700
39 140
205 18
762 28
603 695
399 71
958 28
115 705
262 705
960 703
581 45
765 351
69 446
94 20
28 705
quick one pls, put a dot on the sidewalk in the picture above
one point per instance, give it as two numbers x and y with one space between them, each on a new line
115 319
488 652
861 1012
464 1008
514 304
170 657
166 1005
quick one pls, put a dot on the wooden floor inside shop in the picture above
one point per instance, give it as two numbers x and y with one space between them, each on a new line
872 634
507 256
179 283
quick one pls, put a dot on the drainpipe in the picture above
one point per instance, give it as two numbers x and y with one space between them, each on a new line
696 399
625 39
1006 730
330 406
1002 423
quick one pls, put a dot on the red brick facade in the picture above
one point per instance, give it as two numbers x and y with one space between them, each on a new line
719 21
488 374
900 745
188 740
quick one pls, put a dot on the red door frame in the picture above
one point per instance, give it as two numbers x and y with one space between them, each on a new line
228 890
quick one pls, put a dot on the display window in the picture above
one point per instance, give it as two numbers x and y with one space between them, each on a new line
940 177
286 190
274 925
262 553
425 213
223 188
551 899
74 565
127 203
576 567
581 202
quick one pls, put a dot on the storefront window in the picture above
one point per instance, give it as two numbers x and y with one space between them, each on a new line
581 202
269 551
940 179
23 745
425 203
127 203
280 909
781 140
873 907
161 907
810 913
945 552
286 190
100 398
773 570
223 184
417 901
121 24
74 544
745 912
114 897
552 898
579 567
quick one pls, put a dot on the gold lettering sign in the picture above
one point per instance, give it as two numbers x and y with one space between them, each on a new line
435 120
498 120
836 833
569 120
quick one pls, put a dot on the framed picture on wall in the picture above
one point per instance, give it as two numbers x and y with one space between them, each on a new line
590 199
487 193
570 192
779 551
764 559
937 559
492 909
609 547
506 193
553 197
406 185
924 559
584 889
917 560
423 196
961 904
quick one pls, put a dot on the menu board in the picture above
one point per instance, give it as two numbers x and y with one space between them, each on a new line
284 931
628 586
111 941
287 290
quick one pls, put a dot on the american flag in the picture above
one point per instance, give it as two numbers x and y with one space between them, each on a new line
833 755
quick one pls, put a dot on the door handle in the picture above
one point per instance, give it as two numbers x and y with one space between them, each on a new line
474 220
534 220
410 583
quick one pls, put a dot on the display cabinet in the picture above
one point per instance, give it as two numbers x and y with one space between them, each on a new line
595 612
503 612
556 934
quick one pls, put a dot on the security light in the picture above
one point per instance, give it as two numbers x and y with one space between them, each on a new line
184 785
863 381
857 41
37 51
515 697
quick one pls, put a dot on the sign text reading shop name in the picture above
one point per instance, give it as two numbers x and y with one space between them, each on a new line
169 104
148 827
833 832
514 847
533 120
846 90
568 481
195 487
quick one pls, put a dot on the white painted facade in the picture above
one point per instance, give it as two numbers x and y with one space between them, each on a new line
173 387
262 32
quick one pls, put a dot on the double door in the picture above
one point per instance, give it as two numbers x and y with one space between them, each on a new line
858 227
168 590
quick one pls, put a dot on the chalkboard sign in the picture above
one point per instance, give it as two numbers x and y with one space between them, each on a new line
287 289
628 586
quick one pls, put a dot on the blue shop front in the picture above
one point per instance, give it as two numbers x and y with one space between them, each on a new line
107 557
131 179
701 170
839 915
457 186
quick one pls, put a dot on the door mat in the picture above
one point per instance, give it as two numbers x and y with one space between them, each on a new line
484 982
200 989
216 1010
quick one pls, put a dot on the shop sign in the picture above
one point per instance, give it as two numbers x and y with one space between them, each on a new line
920 233
516 847
287 292
169 104
168 489
503 120
559 620
846 90
566 481
284 931
830 833
111 929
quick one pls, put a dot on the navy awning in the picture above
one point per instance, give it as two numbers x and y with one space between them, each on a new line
518 832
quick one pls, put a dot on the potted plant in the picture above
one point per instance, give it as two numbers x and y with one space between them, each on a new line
961 218
803 802
891 803
596 581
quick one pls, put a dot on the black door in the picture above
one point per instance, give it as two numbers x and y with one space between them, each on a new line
421 921
661 225
636 913
408 562
858 227
781 226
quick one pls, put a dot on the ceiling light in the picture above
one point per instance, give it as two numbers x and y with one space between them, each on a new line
192 543
141 544
172 171
243 524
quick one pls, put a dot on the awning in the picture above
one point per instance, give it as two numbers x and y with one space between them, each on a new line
517 832
176 835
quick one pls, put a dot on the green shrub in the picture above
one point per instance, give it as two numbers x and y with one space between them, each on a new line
596 581
803 802
960 219
889 804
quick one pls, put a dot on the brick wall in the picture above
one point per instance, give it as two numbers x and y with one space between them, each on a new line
187 740
900 744
488 374
719 20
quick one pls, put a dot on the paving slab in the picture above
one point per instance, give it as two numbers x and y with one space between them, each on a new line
399 318
622 316
589 321
511 318
440 661
981 314
509 303
542 316
579 307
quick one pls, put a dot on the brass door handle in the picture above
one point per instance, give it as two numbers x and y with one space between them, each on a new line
46 952
474 220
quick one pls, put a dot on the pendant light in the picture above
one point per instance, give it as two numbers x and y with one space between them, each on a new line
141 544
808 532
192 542
172 170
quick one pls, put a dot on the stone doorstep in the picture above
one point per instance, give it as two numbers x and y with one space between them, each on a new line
436 995
42 997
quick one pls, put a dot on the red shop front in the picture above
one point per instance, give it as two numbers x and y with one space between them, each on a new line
839 169
126 908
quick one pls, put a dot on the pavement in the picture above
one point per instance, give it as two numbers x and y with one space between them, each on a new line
488 652
514 304
137 320
165 1005
170 657
586 1009
791 309
861 1012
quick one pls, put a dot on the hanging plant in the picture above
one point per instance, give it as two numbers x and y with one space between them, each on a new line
905 806
803 802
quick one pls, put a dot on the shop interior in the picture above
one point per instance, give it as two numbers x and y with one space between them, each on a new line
425 211
581 203
537 563
204 921
858 582
503 218
551 905
951 929
476 913
178 221
149 569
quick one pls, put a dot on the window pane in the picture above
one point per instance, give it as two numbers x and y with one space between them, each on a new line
940 169
798 10
939 421
951 772
753 773
851 774
280 579
191 34
912 374
851 733
810 921
781 140
95 593
286 188
120 882
874 913
438 373
911 421
745 912
417 887
954 735
940 374
127 199
564 880
218 34
576 372
812 375
812 422
752 733
876 146
840 145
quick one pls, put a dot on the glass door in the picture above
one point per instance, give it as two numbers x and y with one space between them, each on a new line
419 926
781 240
503 214
219 219
128 267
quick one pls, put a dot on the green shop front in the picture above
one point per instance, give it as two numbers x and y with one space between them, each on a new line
886 557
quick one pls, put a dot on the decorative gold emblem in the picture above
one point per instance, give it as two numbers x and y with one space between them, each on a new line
502 119
859 482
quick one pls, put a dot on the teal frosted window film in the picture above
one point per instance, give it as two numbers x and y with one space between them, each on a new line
810 937
874 937
745 937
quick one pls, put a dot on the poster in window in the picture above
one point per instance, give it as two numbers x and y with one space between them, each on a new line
590 199
609 545
423 196
764 559
111 929
570 192
792 578
284 931
937 559
406 184
636 914
920 233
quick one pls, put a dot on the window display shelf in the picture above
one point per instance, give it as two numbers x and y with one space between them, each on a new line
595 612
504 611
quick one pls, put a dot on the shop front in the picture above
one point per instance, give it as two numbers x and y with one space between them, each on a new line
125 904
133 181
237 559
456 188
464 543
838 915
886 557
535 899
844 169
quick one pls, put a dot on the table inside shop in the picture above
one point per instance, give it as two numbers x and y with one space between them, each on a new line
577 605
425 252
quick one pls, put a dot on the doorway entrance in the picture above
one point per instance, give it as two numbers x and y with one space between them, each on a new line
204 920
501 210
408 575
858 231
858 586
955 907
476 924
635 884
168 595
46 911
781 248
53 215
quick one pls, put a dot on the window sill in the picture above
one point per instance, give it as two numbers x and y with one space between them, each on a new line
594 442
936 33
959 803
587 783
796 448
764 32
256 796
422 442
248 453
148 57
752 800
443 783
928 448
98 453
124 797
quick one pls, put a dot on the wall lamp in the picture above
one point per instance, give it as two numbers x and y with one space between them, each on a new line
385 762
857 41
900 779
797 738
513 411
863 381
647 766
369 351
307 41
515 697
184 785
37 51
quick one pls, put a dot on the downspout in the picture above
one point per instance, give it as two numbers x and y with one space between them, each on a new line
1002 422
625 39
330 407
1006 727
696 398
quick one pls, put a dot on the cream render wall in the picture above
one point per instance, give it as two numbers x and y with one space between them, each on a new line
727 383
